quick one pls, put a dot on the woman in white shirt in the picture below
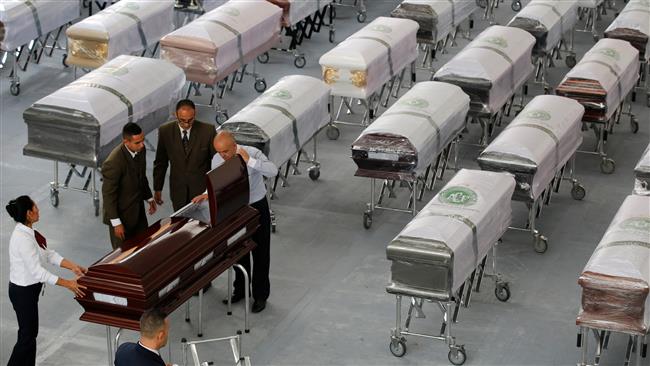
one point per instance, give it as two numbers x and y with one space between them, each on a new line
27 251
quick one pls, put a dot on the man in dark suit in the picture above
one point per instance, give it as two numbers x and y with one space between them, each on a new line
154 330
126 187
186 146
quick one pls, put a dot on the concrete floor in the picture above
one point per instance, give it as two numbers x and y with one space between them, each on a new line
328 304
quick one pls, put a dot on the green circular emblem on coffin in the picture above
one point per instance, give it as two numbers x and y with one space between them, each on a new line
230 11
132 6
281 94
115 71
381 28
497 41
609 52
415 102
459 196
538 114
636 223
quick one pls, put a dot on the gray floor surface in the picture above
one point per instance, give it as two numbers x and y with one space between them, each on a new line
328 304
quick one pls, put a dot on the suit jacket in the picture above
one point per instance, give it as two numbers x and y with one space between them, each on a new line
125 186
187 175
133 354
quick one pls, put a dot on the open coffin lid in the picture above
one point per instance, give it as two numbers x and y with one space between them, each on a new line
175 257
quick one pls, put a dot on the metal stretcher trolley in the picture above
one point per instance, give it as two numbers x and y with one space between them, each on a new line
590 11
615 285
441 255
489 7
359 5
409 143
601 82
81 123
490 70
124 28
552 24
633 25
642 174
537 147
300 20
215 49
439 21
188 10
29 28
369 67
281 123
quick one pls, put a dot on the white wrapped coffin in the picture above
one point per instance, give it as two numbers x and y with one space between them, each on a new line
294 11
633 25
548 21
536 144
437 18
438 250
362 63
82 122
616 280
642 174
492 67
123 28
282 120
409 136
22 21
223 40
602 79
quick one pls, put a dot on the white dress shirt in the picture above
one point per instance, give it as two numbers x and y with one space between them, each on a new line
26 258
149 349
189 130
117 221
259 166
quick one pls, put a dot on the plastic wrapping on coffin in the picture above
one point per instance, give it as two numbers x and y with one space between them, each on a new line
633 25
548 21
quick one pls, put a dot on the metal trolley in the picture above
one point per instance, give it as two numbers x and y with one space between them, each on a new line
359 5
636 344
235 343
491 5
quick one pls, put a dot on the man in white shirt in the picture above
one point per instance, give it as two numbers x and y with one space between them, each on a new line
259 166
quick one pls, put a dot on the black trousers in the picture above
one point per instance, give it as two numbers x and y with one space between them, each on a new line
261 285
25 302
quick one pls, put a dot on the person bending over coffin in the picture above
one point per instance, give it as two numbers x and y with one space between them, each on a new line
259 167
126 187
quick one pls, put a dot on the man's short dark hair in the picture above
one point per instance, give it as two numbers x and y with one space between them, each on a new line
185 103
131 129
151 322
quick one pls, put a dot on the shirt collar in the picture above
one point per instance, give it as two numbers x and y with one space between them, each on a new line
148 349
181 129
133 154
24 228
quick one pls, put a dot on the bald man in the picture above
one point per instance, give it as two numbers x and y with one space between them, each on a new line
259 167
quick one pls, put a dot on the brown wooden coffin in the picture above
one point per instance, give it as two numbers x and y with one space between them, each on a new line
175 257
590 94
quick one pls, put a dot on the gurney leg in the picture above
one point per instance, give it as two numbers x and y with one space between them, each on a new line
629 349
600 337
397 343
246 295
583 343
54 186
229 291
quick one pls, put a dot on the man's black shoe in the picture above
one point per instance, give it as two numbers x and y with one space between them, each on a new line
258 306
233 300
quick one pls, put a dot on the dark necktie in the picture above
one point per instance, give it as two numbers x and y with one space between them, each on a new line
186 141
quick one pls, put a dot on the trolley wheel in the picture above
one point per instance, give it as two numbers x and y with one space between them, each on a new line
457 356
515 6
333 132
221 117
54 197
64 60
273 225
540 244
596 37
367 220
482 3
260 85
502 291
361 17
332 35
314 173
299 62
263 58
14 89
607 166
547 90
397 347
570 61
578 192
634 126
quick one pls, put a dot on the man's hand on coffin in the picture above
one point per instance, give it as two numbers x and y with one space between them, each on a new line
200 198
73 286
157 196
119 231
152 207
243 153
